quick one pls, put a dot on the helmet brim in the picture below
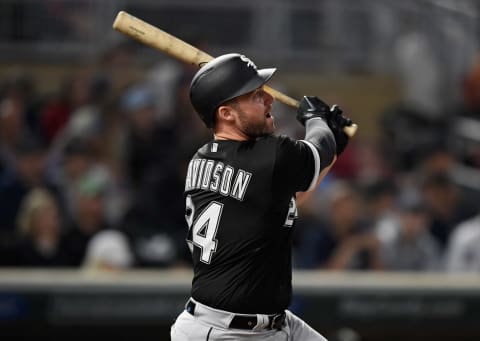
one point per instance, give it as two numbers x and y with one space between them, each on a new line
263 76
266 74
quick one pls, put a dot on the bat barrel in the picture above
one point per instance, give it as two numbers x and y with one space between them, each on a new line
159 39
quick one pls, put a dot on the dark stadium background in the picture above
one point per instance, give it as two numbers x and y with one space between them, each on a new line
76 97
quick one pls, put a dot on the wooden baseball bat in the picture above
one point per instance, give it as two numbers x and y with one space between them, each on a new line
154 37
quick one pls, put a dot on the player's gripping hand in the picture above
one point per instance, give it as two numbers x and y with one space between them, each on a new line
336 121
310 107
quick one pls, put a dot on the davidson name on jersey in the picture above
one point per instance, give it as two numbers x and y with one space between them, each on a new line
215 176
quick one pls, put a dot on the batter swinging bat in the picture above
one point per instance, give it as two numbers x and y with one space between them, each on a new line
154 37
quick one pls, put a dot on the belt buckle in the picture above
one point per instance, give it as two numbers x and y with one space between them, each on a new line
277 321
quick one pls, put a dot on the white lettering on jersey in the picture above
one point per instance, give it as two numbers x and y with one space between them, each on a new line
241 183
216 177
292 213
226 180
196 164
207 173
188 181
200 173
203 230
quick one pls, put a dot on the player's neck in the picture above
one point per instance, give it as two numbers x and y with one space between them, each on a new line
230 134
220 137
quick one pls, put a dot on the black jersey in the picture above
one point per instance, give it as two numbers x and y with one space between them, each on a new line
240 209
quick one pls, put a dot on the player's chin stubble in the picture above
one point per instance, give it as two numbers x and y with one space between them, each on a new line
257 129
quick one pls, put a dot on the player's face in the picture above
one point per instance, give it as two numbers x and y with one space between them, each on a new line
254 116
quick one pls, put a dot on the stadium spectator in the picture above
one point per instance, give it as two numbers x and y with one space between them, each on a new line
88 212
24 171
341 241
108 250
378 196
465 134
73 93
155 217
463 251
19 91
445 204
78 150
40 241
406 242
66 166
12 129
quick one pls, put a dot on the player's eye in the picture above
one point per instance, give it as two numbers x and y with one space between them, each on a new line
258 96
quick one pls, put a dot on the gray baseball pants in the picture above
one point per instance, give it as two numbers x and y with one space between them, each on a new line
210 324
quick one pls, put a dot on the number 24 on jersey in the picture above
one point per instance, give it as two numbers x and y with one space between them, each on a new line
204 229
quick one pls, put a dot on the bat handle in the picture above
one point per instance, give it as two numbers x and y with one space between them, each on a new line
350 130
281 97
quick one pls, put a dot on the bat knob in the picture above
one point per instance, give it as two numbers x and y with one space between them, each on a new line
350 130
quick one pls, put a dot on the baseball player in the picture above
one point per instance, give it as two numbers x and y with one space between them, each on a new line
240 194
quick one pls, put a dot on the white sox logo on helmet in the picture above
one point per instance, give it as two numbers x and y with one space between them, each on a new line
248 61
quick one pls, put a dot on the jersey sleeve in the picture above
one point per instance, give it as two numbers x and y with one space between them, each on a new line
297 164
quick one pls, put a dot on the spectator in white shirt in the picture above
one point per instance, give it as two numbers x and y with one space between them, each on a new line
463 252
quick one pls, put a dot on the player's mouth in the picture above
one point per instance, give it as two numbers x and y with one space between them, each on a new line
268 115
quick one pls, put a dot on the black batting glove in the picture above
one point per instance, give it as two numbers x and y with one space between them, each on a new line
310 107
336 121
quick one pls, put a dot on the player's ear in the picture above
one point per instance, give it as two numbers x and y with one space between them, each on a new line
225 113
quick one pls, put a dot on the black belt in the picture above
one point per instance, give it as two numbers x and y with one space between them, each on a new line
247 321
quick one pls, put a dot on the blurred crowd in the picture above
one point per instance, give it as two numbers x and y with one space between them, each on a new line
92 176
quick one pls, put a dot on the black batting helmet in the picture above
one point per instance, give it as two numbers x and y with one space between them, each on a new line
223 79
